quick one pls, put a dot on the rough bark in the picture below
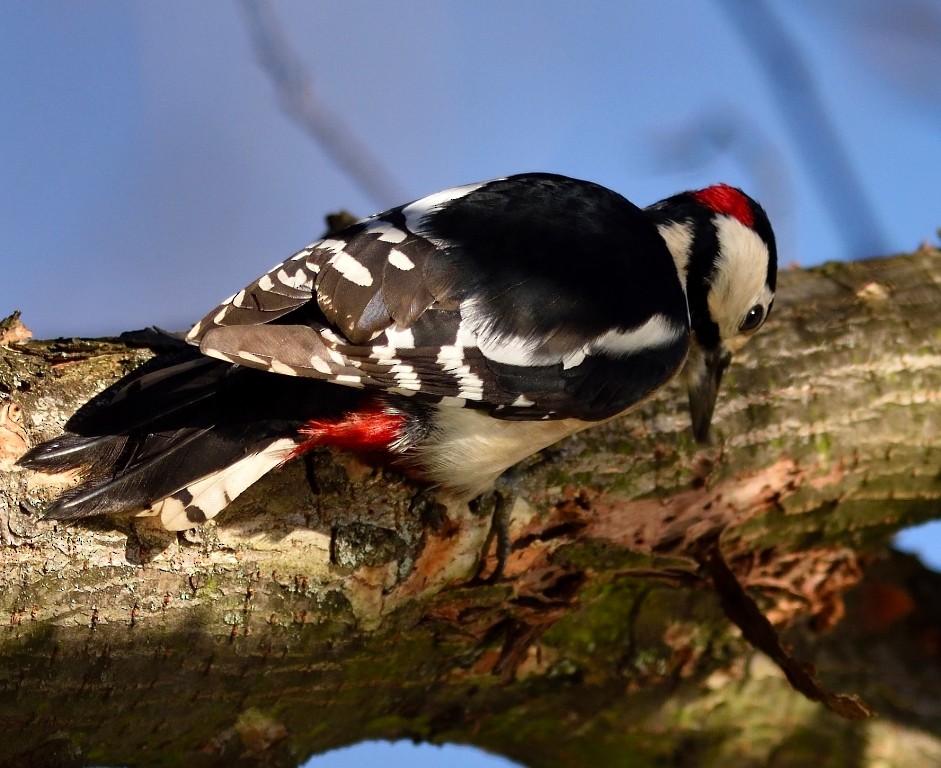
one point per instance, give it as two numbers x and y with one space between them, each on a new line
335 602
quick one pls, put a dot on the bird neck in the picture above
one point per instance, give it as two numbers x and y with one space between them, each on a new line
691 238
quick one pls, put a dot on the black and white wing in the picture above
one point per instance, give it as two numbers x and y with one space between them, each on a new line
535 296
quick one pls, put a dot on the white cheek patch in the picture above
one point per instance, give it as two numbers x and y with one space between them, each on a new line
740 278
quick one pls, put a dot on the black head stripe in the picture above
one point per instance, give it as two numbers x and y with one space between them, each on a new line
704 252
700 271
762 226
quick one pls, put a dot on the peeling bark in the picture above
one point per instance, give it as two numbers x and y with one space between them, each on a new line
335 601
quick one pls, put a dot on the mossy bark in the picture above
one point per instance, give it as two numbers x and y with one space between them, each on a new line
335 601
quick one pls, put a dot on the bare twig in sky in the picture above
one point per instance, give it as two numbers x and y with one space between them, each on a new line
900 41
728 129
293 85
804 115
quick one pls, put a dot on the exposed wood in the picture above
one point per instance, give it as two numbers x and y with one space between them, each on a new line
332 603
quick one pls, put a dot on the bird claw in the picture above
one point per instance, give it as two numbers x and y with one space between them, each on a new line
499 533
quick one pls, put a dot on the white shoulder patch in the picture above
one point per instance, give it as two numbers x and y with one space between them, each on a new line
741 275
657 332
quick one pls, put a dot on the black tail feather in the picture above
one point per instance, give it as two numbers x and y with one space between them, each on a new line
184 417
153 395
137 481
70 451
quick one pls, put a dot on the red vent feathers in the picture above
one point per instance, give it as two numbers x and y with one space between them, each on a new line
727 200
370 430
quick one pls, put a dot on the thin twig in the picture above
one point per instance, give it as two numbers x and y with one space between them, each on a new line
293 85
758 631
804 115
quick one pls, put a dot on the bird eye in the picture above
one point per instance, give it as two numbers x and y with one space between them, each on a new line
753 319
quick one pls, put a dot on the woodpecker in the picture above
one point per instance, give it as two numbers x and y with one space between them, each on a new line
452 336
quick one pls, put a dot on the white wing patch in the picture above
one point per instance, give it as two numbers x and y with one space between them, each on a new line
373 286
300 279
514 350
284 287
400 338
406 377
320 365
277 366
400 261
389 233
470 385
347 264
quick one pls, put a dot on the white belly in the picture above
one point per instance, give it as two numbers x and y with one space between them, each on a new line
472 449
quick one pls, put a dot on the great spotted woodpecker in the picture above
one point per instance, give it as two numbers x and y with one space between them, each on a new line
454 335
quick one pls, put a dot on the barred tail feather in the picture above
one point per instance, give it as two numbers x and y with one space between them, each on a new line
186 477
134 478
208 496
181 439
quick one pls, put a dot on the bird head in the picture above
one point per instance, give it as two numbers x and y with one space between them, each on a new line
725 253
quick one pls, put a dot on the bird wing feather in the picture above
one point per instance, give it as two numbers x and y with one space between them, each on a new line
535 296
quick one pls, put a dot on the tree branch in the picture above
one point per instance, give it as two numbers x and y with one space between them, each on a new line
332 602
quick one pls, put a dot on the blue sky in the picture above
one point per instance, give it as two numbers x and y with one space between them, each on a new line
149 172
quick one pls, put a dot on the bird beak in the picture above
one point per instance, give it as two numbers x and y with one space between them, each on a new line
704 370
